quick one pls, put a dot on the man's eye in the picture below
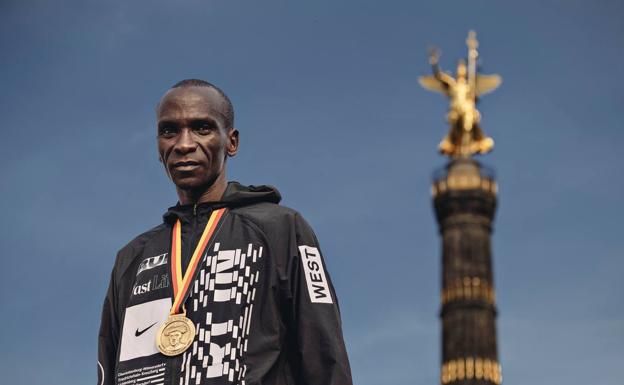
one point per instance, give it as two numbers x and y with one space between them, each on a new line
167 131
203 127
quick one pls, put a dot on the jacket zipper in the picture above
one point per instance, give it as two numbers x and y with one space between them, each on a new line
192 237
177 362
176 369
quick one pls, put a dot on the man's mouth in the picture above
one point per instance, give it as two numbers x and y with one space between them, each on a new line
185 165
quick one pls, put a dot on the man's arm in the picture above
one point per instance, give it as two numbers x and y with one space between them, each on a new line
108 338
320 353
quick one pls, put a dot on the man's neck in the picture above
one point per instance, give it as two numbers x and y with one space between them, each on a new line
213 193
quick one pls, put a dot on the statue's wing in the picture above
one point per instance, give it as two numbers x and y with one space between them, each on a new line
487 83
432 84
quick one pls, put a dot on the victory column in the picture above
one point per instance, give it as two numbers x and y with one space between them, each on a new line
464 197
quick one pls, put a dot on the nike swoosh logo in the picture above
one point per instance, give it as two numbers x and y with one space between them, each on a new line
138 333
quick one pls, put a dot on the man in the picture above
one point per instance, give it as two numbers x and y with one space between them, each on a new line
231 288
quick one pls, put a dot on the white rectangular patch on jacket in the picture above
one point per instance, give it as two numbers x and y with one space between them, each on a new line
315 275
138 336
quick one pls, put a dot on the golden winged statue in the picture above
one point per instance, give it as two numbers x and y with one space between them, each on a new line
465 137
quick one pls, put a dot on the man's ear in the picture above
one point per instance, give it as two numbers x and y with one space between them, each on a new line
233 141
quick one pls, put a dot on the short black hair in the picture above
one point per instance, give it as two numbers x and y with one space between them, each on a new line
228 112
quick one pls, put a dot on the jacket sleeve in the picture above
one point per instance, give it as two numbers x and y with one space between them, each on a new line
108 338
316 328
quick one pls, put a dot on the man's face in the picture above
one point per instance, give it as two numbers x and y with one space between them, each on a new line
193 140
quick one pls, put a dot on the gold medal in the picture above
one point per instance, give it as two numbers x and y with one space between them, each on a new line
177 333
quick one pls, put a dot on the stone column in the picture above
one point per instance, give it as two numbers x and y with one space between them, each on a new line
464 197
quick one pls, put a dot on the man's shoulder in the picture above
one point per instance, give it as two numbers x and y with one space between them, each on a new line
275 221
135 247
267 213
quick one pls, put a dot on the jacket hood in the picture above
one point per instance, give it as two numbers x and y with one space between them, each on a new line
238 195
235 195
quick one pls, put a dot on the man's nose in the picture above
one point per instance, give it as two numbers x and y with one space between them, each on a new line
186 143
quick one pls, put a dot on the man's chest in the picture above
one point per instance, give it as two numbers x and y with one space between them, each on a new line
231 275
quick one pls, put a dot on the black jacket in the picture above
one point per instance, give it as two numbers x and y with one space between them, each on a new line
262 302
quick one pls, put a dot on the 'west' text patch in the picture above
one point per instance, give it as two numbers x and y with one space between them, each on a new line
315 275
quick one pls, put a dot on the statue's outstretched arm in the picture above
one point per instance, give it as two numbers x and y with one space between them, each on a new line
444 78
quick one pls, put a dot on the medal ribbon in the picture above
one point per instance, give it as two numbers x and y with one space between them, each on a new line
181 283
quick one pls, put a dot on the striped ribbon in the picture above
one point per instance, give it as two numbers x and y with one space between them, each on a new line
182 283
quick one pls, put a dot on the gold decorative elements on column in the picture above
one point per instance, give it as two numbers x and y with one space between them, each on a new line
471 367
468 288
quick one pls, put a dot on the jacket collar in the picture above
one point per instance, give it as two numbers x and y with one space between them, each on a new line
235 195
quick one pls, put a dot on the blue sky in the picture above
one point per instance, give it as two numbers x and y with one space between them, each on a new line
330 112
